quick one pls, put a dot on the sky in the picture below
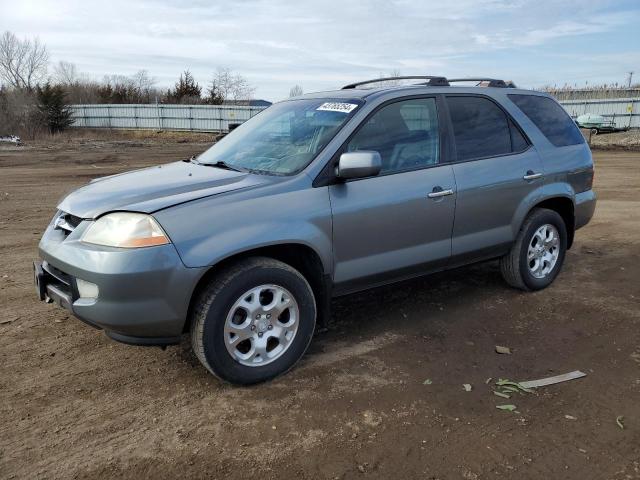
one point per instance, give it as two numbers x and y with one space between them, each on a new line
322 45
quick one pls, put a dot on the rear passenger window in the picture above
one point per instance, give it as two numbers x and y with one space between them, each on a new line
480 127
552 120
405 134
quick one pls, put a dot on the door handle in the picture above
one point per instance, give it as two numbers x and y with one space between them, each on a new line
530 175
439 192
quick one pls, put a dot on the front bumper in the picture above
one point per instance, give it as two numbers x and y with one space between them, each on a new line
144 293
52 288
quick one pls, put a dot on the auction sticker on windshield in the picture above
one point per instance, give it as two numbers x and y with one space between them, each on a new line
338 107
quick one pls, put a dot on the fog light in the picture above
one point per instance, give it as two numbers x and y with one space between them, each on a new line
87 289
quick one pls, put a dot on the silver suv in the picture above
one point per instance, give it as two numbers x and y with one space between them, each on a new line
319 196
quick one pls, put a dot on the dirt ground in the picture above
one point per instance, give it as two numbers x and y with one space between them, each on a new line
74 404
629 140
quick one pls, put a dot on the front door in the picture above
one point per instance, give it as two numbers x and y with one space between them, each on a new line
398 223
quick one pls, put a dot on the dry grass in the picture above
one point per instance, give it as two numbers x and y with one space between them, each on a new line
75 135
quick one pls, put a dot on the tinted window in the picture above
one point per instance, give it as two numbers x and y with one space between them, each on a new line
550 118
404 133
480 128
518 141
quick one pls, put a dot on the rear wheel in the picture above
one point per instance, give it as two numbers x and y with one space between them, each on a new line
253 321
537 255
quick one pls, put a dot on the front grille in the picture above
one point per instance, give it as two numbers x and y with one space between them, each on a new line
66 222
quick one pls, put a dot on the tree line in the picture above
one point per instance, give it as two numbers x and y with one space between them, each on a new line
225 86
35 96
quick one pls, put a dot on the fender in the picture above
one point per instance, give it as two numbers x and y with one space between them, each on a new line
536 197
209 230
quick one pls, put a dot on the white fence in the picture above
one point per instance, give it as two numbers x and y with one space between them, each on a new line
199 118
625 113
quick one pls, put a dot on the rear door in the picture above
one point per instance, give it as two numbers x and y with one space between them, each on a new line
399 222
495 168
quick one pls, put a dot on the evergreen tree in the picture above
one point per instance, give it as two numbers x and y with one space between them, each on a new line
52 104
216 97
186 89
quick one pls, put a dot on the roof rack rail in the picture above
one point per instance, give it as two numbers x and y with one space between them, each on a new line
432 81
486 82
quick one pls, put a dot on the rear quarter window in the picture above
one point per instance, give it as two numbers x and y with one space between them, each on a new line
552 120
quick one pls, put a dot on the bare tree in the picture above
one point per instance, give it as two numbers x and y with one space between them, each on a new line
295 91
79 87
137 88
242 90
144 85
23 63
227 86
19 113
83 90
392 75
65 73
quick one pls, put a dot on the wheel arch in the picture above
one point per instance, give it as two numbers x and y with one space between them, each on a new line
297 255
564 206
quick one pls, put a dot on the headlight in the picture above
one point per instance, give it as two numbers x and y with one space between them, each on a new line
126 230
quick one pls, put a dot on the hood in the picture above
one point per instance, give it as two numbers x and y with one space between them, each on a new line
155 188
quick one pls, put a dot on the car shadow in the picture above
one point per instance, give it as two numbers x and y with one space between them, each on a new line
420 293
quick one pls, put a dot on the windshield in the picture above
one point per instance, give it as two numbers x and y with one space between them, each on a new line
284 138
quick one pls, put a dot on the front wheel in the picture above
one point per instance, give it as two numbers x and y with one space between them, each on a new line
535 259
253 321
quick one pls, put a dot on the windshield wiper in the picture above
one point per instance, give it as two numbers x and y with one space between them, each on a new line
222 164
219 164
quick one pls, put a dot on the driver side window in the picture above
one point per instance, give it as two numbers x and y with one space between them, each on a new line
404 133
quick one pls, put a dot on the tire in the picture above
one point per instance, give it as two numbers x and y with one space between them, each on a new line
252 285
516 267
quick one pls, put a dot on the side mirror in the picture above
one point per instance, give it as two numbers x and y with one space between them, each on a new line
359 165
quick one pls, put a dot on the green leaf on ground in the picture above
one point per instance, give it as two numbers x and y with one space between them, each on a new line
502 382
509 407
507 388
